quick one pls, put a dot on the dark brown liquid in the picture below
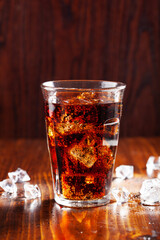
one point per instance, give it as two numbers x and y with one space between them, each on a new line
82 140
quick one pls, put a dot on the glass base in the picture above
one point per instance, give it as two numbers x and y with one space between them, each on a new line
81 203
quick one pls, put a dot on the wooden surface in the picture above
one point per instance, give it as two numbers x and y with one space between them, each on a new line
61 39
44 219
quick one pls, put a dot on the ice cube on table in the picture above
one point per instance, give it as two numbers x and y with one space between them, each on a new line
124 171
9 195
8 186
120 194
152 173
19 175
150 191
153 163
31 191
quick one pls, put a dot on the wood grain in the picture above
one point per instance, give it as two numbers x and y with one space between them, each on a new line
110 40
44 219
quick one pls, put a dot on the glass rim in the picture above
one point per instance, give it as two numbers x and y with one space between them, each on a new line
116 85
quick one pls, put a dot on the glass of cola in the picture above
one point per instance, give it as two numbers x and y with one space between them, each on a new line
82 124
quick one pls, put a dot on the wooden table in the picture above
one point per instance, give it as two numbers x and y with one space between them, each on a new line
44 219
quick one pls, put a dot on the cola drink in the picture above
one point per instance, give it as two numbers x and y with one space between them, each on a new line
82 137
82 125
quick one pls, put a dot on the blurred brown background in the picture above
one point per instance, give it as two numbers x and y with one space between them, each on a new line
117 40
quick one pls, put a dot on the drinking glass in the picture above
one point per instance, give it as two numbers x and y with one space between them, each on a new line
82 124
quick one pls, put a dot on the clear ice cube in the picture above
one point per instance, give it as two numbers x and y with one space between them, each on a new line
9 195
85 155
111 126
69 124
153 163
69 127
124 171
150 191
84 152
19 175
120 194
31 191
8 186
88 97
152 173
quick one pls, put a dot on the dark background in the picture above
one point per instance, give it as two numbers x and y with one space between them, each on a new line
117 40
